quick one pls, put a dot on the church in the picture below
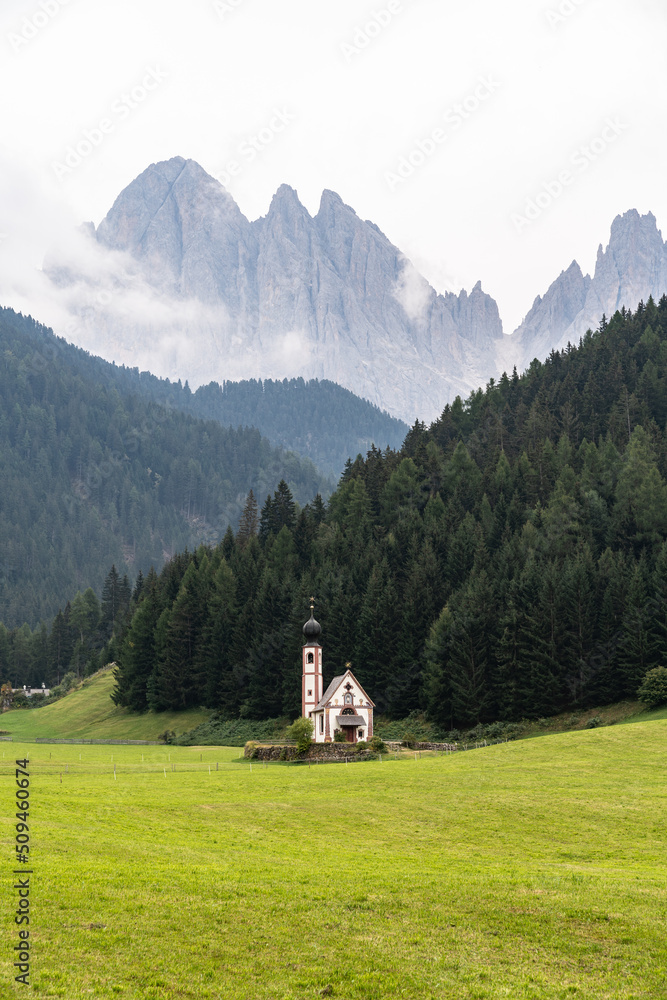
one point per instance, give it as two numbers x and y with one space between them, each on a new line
344 706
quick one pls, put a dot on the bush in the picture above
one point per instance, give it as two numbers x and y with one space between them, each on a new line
168 736
250 749
408 739
653 689
339 736
301 731
233 732
594 722
377 744
68 681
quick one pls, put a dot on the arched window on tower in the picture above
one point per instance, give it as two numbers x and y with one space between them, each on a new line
309 658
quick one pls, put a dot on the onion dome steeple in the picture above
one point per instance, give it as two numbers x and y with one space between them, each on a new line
312 629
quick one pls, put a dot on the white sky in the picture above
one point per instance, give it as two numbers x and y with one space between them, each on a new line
556 79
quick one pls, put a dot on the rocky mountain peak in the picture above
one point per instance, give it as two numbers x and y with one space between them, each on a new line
632 267
285 199
330 199
327 296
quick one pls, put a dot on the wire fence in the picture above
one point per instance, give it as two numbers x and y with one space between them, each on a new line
129 743
160 766
116 769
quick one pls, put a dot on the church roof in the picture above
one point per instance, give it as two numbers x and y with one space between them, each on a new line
350 720
335 684
329 691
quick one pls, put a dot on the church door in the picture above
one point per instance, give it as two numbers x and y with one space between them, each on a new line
350 733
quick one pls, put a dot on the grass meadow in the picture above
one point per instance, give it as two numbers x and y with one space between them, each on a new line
88 712
530 869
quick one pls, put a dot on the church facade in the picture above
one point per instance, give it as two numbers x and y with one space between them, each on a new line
344 706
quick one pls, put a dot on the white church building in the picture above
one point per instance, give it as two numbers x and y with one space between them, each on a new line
344 705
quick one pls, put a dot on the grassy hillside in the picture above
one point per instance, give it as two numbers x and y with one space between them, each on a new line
650 715
531 869
89 713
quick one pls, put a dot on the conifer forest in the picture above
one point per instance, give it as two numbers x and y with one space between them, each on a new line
509 561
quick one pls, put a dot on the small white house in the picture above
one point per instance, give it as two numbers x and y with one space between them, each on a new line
344 705
30 691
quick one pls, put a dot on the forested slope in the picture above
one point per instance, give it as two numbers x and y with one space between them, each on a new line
92 475
510 561
315 418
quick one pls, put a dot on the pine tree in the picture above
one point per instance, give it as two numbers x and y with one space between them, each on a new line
437 687
249 523
220 652
138 652
267 520
61 646
638 648
110 605
283 509
179 680
471 661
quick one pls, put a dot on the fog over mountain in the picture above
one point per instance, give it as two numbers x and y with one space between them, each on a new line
178 281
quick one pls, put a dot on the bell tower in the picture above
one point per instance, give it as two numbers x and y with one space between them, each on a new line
311 680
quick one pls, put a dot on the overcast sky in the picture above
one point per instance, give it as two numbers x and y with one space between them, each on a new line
438 120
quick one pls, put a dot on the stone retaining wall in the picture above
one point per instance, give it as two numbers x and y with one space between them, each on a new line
332 751
317 752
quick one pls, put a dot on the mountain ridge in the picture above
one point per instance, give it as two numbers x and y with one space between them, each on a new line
289 294
198 291
632 267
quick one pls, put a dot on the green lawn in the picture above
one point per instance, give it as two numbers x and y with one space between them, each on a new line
649 715
531 869
89 713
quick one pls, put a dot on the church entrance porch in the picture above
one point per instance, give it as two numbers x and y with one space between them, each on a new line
350 722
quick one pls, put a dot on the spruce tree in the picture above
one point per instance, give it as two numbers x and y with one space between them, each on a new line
249 523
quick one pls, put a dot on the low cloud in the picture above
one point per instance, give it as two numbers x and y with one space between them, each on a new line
100 299
413 292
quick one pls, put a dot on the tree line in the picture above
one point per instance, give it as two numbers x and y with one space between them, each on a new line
508 561
79 640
